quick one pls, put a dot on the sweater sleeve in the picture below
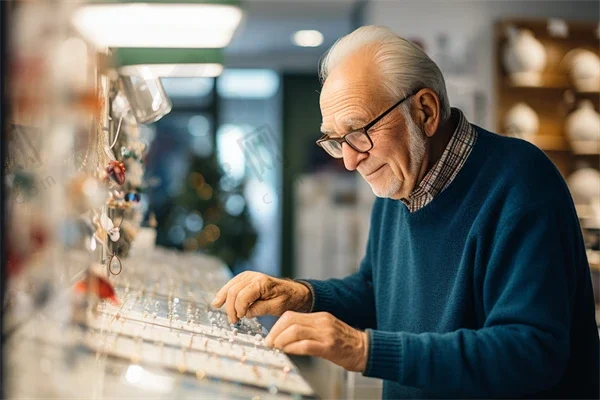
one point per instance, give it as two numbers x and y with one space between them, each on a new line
527 288
350 299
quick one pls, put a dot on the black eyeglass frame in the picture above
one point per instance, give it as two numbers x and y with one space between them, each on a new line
364 130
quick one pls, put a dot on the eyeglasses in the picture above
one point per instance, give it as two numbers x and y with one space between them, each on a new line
359 140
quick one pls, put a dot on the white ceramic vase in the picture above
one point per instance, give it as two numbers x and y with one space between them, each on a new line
521 121
593 219
583 124
584 70
584 185
524 57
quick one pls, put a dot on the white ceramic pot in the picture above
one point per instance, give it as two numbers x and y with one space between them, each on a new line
521 121
584 70
583 124
524 57
593 219
584 185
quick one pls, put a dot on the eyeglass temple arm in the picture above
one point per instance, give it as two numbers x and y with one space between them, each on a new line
327 138
386 112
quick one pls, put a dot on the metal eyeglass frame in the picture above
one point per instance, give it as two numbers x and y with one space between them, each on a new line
363 130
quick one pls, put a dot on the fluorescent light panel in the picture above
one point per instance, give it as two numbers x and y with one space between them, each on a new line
158 25
176 70
169 62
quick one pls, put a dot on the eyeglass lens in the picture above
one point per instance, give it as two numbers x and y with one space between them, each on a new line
357 140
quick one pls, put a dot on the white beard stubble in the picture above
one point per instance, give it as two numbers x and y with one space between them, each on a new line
417 152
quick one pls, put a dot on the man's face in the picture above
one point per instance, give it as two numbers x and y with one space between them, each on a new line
350 99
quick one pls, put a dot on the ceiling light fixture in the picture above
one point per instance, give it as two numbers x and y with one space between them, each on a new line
308 38
158 23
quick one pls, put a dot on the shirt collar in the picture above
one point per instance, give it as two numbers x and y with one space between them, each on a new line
446 168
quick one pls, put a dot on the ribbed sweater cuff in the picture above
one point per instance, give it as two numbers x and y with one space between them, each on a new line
324 299
385 355
312 292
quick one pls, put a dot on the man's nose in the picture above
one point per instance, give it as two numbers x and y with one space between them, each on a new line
352 157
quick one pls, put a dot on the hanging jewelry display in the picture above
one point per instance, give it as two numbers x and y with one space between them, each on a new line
114 264
111 326
128 149
97 286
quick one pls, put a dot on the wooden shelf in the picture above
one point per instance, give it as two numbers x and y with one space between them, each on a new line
586 147
578 31
588 92
591 152
550 143
552 83
555 94
557 143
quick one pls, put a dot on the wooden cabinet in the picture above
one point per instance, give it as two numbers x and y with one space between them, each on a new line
554 96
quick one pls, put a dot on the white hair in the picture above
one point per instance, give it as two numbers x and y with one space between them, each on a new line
404 66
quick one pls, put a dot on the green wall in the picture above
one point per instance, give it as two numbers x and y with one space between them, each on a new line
301 123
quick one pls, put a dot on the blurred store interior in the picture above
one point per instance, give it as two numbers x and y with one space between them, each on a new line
218 150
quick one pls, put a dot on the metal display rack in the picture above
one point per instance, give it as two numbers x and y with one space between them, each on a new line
160 340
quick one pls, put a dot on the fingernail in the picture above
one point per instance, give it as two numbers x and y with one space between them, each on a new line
215 301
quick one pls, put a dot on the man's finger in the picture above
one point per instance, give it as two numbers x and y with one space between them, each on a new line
232 293
262 307
288 318
246 297
221 295
306 348
295 333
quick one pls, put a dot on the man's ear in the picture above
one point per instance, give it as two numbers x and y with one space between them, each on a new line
426 106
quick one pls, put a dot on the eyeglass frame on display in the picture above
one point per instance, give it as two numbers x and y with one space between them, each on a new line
364 130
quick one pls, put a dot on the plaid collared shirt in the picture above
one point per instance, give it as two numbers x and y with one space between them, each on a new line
446 168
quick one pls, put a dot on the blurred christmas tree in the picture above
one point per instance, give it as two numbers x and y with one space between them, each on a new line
210 215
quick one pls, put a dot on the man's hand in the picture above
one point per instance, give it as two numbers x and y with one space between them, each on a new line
320 335
251 294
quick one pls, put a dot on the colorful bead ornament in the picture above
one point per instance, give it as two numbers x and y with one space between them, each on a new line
116 171
132 197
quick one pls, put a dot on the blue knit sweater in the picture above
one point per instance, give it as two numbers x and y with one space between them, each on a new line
484 292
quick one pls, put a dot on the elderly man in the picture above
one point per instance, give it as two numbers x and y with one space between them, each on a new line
475 281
